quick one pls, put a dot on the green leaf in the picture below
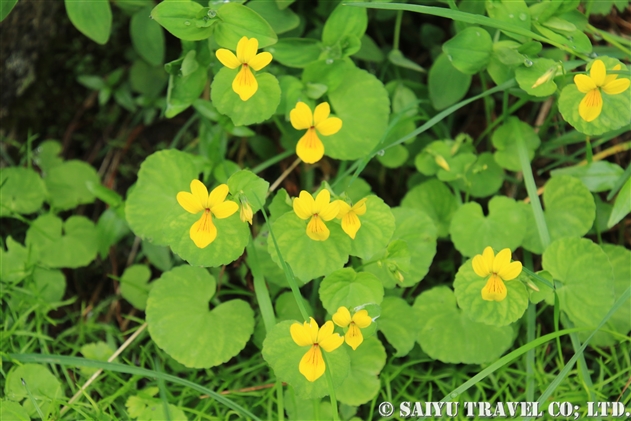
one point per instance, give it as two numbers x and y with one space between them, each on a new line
69 244
237 21
527 77
344 21
99 351
284 355
377 227
92 18
545 292
296 52
308 258
369 50
622 205
147 37
616 109
281 20
597 176
14 266
48 285
246 184
134 285
394 157
281 204
44 387
47 155
184 90
446 84
569 212
261 106
390 263
448 335
350 289
67 184
11 410
22 191
587 278
399 324
271 271
513 12
504 227
436 200
181 18
181 324
161 177
110 228
468 290
362 383
363 125
158 256
504 140
5 8
483 178
470 50
287 308
397 58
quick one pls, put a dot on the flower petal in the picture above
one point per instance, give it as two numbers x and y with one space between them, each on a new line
312 364
300 334
331 342
227 58
598 72
584 83
354 336
245 84
310 148
616 87
362 319
483 263
189 202
317 230
225 209
342 317
322 199
260 60
360 207
344 208
511 271
246 213
494 290
351 224
329 126
321 113
218 195
612 77
591 105
301 117
200 191
241 46
203 232
303 205
501 260
330 211
313 329
325 331
249 52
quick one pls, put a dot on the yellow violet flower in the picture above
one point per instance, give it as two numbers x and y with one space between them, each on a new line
310 148
500 268
308 334
592 104
245 84
246 213
349 216
316 211
204 232
360 320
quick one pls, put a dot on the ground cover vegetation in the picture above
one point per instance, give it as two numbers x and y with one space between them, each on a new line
299 210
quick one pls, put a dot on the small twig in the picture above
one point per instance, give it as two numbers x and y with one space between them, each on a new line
626 386
284 175
134 251
543 113
100 370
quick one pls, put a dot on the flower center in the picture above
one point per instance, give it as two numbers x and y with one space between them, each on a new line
245 64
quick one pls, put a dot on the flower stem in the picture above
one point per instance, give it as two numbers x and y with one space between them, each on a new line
329 380
397 30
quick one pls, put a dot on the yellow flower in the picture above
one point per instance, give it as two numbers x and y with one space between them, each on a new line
245 84
360 320
204 232
592 104
246 212
310 148
308 334
500 268
316 211
349 216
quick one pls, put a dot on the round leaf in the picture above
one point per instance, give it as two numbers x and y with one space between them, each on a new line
350 289
261 106
446 84
180 18
284 355
49 285
13 411
504 140
448 335
237 21
376 229
22 191
399 324
281 20
483 178
362 383
246 183
468 289
598 176
435 199
134 285
527 77
67 184
44 387
361 101
308 259
504 227
147 37
470 50
587 277
92 18
182 325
